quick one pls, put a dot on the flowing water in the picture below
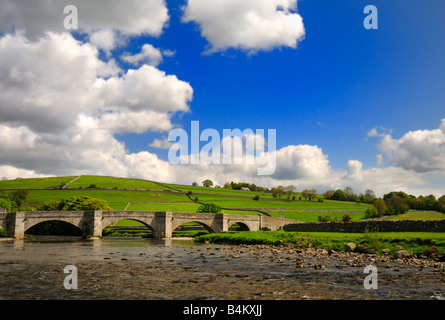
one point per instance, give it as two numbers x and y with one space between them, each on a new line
181 269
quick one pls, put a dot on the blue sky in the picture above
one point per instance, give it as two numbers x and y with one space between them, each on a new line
351 106
341 81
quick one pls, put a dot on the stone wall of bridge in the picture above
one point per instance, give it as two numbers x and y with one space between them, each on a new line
162 224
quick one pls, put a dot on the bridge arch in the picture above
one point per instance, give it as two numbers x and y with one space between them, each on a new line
75 221
203 224
239 226
116 220
56 227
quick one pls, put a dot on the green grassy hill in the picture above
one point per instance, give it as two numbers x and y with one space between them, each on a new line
144 195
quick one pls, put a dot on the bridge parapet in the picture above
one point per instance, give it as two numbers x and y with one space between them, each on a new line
162 223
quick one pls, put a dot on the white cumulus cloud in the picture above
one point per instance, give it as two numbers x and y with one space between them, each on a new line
250 25
420 150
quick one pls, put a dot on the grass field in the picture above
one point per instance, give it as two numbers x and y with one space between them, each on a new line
419 216
118 183
171 207
35 183
237 202
412 241
125 191
313 216
117 199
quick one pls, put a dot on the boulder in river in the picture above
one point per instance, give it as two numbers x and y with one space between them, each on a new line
402 254
432 250
350 246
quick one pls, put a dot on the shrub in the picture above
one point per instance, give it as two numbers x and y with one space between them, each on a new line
209 208
26 208
324 219
372 240
346 218
92 186
371 213
75 204
256 198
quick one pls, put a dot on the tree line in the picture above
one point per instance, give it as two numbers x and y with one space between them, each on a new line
394 202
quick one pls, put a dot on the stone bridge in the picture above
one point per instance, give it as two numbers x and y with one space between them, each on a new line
162 224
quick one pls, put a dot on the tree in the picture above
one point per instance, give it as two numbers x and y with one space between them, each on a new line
289 190
371 212
369 195
312 194
349 194
397 205
440 205
380 206
6 203
339 195
18 197
195 184
209 208
280 191
207 183
227 185
75 204
328 194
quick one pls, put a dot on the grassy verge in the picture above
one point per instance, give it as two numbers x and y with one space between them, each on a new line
416 242
419 216
313 216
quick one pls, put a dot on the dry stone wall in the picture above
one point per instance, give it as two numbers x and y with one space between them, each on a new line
361 226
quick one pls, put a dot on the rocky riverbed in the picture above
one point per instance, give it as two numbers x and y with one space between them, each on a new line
190 271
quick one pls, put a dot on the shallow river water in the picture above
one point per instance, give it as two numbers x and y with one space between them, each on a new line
132 269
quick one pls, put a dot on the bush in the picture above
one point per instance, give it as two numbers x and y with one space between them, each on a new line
92 186
324 219
372 240
346 218
209 208
256 198
26 208
371 213
75 204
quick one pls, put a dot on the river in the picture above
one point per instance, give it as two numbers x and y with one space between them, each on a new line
130 269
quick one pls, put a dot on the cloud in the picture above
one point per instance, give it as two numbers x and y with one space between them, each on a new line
301 162
131 17
250 25
420 150
146 88
10 172
47 84
60 106
161 143
148 55
104 39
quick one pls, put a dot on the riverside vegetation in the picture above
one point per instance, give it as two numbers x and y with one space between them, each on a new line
108 193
